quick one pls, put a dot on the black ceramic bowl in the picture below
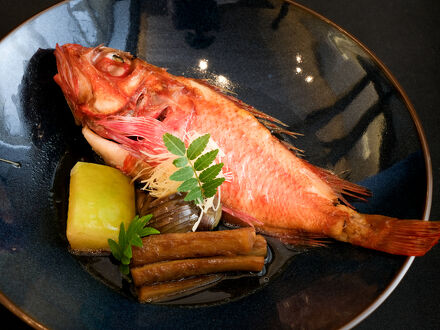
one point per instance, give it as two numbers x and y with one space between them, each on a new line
278 57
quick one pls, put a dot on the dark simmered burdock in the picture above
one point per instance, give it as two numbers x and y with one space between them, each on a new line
175 246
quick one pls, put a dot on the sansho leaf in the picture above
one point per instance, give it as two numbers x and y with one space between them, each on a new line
180 162
188 185
188 172
205 160
211 172
197 146
174 144
210 187
182 174
194 195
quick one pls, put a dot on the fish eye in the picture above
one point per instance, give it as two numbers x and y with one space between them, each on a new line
117 58
113 63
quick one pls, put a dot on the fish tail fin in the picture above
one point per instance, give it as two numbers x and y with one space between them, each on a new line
392 235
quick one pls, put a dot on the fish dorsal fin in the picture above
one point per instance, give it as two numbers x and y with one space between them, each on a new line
274 125
340 186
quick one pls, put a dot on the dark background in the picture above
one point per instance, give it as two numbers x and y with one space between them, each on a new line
405 36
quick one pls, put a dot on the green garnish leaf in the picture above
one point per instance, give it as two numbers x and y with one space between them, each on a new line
136 241
149 231
146 218
121 237
211 172
188 185
183 174
197 146
125 260
194 195
205 160
122 250
124 269
114 247
180 162
210 188
196 172
174 144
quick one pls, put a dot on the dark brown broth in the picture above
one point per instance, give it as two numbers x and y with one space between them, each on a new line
229 287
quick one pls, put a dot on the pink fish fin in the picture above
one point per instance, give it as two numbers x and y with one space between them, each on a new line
340 186
232 217
140 135
238 218
296 237
291 147
115 155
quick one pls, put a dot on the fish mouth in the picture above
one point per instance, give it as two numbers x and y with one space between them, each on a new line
76 86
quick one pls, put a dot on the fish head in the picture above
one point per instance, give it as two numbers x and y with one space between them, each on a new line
97 82
101 82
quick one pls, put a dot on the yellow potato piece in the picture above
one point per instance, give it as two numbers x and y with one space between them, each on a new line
101 197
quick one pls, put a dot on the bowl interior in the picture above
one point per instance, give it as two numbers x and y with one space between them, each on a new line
276 56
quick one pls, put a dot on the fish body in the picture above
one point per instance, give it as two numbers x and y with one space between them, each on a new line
126 105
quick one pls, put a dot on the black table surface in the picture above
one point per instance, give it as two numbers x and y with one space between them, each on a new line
405 35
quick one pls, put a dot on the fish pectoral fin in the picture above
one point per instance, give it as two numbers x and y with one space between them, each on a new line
296 237
115 155
140 135
234 218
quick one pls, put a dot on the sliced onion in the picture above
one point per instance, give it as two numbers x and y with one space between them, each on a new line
172 214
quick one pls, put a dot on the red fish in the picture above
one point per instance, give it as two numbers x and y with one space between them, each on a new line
126 105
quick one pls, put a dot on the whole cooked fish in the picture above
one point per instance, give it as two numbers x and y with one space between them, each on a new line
126 105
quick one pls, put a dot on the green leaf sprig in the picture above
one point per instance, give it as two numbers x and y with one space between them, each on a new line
195 170
132 237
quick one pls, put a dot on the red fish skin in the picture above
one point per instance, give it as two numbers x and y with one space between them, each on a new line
269 182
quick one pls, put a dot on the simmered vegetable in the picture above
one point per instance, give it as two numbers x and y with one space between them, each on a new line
193 245
175 269
172 214
158 291
167 263
101 197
